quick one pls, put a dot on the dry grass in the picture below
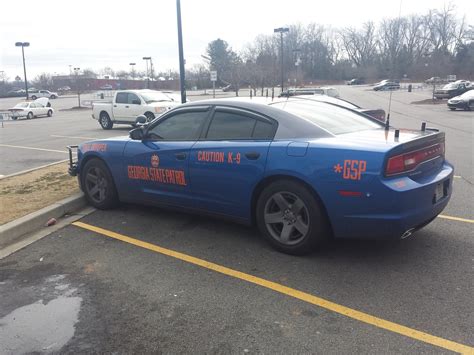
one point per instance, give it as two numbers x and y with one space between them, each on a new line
26 193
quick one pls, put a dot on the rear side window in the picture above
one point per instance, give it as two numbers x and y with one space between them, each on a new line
263 130
122 98
226 125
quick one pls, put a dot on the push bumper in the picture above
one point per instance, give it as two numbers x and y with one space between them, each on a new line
73 167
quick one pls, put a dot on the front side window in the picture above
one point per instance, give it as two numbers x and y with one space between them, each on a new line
181 126
226 125
133 99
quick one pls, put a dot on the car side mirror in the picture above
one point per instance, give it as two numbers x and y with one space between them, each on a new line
140 120
136 102
137 134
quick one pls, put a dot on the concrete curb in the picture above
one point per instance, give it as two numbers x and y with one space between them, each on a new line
12 231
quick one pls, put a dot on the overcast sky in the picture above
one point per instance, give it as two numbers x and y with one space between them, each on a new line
99 33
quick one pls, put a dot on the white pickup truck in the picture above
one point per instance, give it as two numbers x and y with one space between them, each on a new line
127 105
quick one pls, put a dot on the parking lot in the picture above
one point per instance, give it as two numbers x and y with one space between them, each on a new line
140 279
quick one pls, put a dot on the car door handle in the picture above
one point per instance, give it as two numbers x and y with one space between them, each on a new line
180 156
252 155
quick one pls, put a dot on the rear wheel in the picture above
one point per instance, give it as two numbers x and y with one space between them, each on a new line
105 121
98 185
33 97
50 113
29 116
290 217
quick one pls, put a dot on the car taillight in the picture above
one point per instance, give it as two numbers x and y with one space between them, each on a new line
409 161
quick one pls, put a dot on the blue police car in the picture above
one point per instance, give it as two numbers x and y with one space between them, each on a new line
300 169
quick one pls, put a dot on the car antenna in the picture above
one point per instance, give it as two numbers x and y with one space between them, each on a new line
387 121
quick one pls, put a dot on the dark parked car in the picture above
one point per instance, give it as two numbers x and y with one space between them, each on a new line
386 85
356 81
453 89
462 102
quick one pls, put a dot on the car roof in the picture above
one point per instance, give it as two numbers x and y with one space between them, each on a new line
292 125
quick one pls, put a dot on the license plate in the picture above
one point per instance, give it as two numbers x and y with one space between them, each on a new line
439 192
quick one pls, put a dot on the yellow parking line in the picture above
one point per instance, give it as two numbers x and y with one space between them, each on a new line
303 296
456 218
32 148
457 176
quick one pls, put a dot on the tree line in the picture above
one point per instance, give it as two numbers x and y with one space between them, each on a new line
415 47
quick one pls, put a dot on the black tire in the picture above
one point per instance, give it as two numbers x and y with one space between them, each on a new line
52 97
452 108
50 113
105 121
305 226
14 118
98 185
150 116
33 97
29 116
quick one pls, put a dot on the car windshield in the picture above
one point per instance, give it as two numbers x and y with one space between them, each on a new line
336 120
450 86
22 104
155 96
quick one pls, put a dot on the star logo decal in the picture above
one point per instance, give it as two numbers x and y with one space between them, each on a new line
338 168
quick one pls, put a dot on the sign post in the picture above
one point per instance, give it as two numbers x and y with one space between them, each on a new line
213 79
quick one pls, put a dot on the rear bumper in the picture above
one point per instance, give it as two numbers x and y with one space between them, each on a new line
401 205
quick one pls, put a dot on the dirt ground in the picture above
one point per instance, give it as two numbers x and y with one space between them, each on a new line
26 193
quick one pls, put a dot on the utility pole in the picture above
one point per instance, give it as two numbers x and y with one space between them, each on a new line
281 30
23 45
182 81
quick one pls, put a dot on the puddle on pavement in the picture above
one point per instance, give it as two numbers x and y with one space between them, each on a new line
41 327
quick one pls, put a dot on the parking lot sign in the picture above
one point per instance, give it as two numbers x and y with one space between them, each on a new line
213 75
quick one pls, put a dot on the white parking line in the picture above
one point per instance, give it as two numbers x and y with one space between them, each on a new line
32 148
75 137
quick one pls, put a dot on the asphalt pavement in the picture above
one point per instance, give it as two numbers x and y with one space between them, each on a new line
140 279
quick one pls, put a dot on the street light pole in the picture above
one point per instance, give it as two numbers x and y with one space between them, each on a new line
23 45
182 81
132 65
146 59
76 71
281 30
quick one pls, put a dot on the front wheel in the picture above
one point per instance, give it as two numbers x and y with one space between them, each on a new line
290 217
98 185
50 113
29 116
33 97
105 121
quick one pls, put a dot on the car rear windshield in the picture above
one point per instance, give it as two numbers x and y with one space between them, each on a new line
334 119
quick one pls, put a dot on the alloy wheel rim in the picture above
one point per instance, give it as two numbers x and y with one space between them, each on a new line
96 184
286 218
